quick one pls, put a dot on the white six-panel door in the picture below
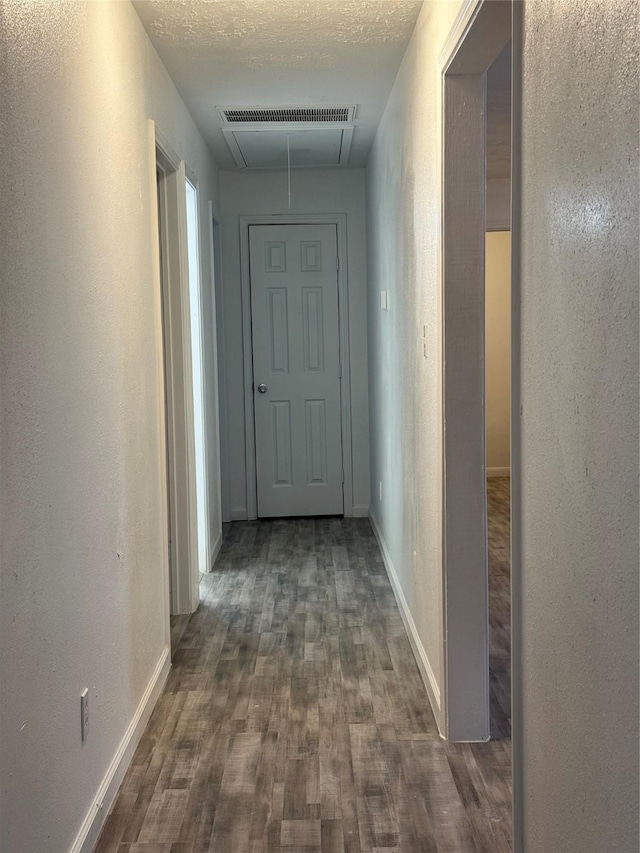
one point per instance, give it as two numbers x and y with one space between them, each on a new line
296 369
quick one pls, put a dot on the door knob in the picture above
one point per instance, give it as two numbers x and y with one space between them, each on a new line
262 388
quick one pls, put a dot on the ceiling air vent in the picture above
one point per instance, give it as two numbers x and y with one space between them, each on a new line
287 115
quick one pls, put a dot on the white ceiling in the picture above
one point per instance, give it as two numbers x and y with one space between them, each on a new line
281 52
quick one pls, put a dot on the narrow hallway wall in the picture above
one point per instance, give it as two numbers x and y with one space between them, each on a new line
403 204
83 582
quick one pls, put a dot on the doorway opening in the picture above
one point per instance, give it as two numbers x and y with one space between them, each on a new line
475 560
201 515
184 550
221 398
498 387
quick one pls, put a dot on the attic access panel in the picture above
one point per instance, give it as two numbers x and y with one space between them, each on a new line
266 148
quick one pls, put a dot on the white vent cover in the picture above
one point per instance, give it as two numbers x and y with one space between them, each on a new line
288 115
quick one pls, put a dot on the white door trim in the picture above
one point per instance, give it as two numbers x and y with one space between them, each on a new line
164 458
480 32
191 598
196 334
340 221
216 544
179 493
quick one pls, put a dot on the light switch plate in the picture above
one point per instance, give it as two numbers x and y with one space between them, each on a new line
84 714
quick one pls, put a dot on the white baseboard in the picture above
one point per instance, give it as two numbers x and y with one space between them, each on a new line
498 472
360 511
92 824
215 550
422 659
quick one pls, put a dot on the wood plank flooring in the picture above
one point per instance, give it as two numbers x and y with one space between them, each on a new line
294 719
499 538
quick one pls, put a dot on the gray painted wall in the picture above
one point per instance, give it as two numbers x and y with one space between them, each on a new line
576 616
83 585
263 193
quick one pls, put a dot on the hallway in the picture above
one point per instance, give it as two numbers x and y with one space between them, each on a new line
295 718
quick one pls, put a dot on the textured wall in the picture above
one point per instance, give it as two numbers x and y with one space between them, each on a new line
403 203
264 193
576 617
498 348
83 587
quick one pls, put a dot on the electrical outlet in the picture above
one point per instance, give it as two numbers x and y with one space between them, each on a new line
84 714
380 490
384 300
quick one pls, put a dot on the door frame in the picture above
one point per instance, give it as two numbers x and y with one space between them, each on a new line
220 396
340 221
171 285
479 33
196 341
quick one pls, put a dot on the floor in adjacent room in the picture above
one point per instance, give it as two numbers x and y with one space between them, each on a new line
294 717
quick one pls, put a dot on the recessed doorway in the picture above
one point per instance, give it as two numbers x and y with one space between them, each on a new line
481 34
181 344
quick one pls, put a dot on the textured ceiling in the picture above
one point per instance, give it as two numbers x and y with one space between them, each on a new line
297 53
281 52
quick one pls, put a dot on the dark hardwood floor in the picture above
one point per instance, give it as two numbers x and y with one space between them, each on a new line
178 626
294 719
498 524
